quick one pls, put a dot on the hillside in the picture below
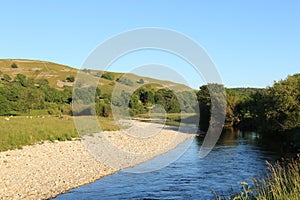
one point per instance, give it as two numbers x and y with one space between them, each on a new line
30 85
57 74
54 73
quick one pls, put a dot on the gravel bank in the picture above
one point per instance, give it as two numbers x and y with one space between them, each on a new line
45 170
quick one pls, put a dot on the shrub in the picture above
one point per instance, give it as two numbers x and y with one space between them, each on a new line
141 81
108 76
14 65
70 79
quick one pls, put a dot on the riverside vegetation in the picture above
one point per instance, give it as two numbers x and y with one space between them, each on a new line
281 182
39 94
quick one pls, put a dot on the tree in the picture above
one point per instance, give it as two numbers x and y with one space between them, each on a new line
232 102
282 108
204 107
5 105
146 95
212 105
136 106
168 100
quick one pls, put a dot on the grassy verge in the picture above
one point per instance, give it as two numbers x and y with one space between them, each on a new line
16 132
281 183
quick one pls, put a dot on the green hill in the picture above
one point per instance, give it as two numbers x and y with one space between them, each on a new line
57 74
28 85
54 73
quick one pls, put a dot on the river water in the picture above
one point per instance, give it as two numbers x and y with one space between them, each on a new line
237 157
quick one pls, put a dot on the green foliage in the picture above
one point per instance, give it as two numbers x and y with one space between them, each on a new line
70 79
204 107
14 65
168 100
283 110
212 105
22 95
108 76
6 78
277 109
144 98
136 106
141 81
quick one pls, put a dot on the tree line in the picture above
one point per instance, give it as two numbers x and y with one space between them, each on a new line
22 95
276 108
273 109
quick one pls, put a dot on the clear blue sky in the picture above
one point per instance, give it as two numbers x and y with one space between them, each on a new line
252 42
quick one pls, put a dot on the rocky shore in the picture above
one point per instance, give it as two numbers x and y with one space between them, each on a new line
45 170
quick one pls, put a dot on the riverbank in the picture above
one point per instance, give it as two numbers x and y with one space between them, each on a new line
45 170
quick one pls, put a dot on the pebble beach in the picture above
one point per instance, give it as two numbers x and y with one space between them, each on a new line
43 171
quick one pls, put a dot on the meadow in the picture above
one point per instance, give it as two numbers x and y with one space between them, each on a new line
19 131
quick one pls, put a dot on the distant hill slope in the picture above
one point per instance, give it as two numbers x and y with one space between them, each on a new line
54 73
57 74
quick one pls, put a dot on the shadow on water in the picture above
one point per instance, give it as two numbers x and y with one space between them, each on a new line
237 157
269 143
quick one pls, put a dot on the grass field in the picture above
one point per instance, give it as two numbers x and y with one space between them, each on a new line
19 131
16 132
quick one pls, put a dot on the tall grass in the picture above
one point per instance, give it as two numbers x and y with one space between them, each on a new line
282 182
19 131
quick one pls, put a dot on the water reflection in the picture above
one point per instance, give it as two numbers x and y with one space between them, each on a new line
235 137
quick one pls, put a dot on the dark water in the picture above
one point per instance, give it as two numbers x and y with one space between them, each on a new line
237 157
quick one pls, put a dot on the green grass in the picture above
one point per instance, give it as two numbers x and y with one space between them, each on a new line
21 130
281 183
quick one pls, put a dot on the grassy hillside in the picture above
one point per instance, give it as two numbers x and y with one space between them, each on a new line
26 105
56 74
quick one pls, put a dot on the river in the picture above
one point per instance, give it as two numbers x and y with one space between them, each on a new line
237 157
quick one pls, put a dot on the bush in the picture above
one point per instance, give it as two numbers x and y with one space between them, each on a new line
70 79
141 81
14 65
108 76
125 81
